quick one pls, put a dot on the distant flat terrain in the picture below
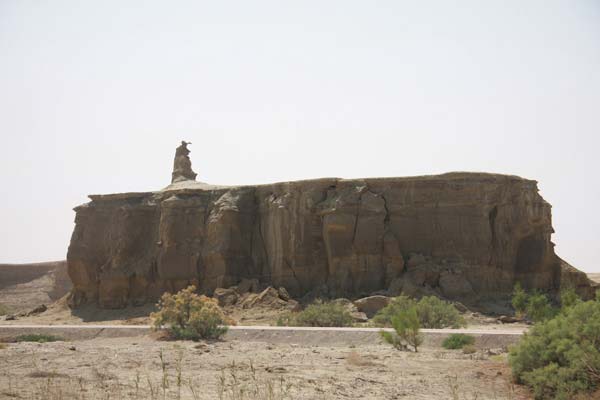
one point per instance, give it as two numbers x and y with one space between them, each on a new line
25 286
595 277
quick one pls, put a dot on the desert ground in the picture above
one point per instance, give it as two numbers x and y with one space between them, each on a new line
147 368
264 365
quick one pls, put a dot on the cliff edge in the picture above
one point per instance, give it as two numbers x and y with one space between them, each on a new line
463 236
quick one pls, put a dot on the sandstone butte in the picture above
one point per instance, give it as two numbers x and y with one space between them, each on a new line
466 237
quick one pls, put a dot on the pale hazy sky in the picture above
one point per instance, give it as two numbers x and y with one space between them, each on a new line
95 95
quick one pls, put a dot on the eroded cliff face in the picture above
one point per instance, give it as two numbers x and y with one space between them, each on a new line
463 236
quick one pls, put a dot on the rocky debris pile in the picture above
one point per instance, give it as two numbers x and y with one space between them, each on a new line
247 294
357 316
35 311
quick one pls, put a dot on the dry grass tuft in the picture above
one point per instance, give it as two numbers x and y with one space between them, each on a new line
359 361
46 374
469 349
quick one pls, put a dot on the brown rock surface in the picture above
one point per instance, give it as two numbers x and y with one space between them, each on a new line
372 304
182 166
463 236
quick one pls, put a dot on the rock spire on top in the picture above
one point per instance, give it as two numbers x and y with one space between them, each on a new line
182 166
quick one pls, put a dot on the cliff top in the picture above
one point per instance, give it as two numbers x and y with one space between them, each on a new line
192 185
184 180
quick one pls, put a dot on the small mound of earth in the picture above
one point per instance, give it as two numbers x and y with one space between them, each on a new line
24 287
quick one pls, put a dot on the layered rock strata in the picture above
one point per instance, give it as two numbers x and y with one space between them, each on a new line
463 236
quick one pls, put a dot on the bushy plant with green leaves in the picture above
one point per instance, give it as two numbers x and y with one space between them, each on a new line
436 313
319 313
539 307
397 304
187 315
457 341
560 357
519 300
432 312
407 330
569 297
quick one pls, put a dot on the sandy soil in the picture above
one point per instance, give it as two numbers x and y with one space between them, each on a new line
131 368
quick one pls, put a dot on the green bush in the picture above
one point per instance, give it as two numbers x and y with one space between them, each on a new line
187 315
432 312
327 314
436 313
519 300
539 308
407 327
457 341
560 357
39 338
569 297
396 305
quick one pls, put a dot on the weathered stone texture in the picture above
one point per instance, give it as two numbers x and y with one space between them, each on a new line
463 236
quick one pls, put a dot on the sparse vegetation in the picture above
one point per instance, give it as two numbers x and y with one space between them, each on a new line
187 315
560 357
519 300
242 382
469 349
407 330
457 341
2 346
539 307
432 312
39 338
569 298
3 309
326 314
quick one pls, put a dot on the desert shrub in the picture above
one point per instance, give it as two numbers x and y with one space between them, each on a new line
469 349
436 313
3 309
519 300
432 312
2 346
539 308
406 326
569 297
396 305
39 338
457 341
187 315
328 314
560 357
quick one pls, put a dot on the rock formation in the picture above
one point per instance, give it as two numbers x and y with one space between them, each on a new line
182 166
463 236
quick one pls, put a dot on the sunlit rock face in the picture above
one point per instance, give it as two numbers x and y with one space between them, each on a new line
467 237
